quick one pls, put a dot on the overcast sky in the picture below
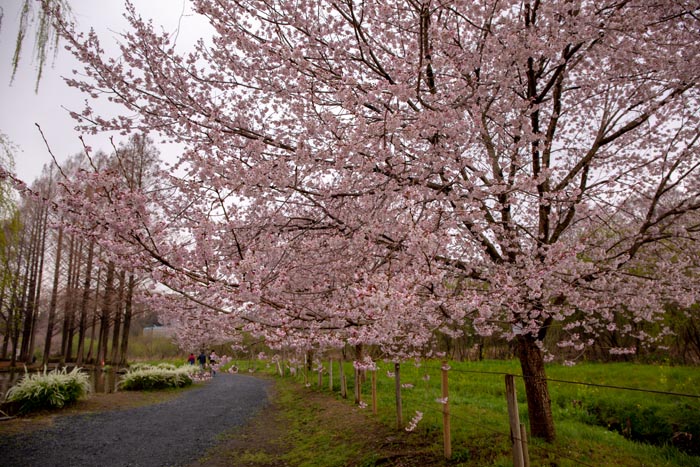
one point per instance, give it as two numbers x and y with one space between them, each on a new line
22 108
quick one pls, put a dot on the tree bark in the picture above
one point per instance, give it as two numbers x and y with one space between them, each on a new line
54 299
114 357
44 219
20 304
12 310
72 303
29 291
66 335
539 405
6 332
127 319
84 303
91 350
107 304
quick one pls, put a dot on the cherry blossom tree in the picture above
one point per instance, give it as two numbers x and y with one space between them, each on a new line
380 171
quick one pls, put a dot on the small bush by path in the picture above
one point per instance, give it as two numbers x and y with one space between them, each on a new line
51 390
147 378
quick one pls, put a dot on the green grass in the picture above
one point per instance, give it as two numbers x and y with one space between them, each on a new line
146 347
313 440
591 422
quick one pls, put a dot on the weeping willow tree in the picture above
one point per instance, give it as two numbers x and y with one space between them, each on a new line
10 232
7 167
36 16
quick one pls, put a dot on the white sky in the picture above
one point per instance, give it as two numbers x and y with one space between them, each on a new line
21 108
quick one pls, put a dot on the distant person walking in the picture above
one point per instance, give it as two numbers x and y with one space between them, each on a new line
213 358
202 359
191 359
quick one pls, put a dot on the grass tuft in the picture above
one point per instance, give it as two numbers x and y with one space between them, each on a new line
145 378
51 390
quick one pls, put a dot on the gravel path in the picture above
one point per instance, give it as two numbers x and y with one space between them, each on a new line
172 433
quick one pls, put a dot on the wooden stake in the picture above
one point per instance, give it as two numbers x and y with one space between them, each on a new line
320 377
514 418
447 438
358 387
526 452
343 381
374 392
330 374
399 409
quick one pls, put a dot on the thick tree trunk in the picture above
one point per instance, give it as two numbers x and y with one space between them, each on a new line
20 305
28 293
105 313
84 303
73 302
127 319
15 336
13 315
114 356
54 299
539 405
37 296
6 331
91 350
17 307
68 303
8 344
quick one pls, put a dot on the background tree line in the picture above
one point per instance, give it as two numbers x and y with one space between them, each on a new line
61 296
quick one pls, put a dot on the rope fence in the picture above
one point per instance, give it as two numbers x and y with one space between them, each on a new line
580 383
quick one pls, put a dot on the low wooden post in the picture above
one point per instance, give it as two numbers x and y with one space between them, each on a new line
374 392
526 452
514 418
306 370
343 382
399 409
330 374
446 435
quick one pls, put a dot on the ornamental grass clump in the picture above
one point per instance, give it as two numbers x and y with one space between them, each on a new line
51 390
155 378
150 366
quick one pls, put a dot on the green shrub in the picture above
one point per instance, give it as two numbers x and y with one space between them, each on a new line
152 366
654 423
147 378
55 389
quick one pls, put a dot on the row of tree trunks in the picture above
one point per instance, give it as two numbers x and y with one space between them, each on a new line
84 304
54 299
74 283
87 312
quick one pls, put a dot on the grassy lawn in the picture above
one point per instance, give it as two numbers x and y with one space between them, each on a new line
595 425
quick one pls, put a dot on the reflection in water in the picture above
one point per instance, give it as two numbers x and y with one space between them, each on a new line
101 381
104 381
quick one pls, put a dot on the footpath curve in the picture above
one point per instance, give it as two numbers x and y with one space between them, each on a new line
172 433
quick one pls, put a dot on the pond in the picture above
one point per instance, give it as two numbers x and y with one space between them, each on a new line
101 381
